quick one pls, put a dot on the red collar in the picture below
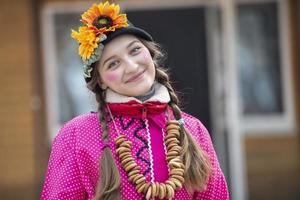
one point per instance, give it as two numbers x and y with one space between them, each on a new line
134 108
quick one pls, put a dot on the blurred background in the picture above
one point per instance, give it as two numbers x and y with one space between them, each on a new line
236 64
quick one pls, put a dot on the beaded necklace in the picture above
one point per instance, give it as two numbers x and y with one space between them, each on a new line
133 170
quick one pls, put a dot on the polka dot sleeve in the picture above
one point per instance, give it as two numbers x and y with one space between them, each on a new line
216 187
63 178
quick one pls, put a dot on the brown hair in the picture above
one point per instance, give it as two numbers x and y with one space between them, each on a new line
197 165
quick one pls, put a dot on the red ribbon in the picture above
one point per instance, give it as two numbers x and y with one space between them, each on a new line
133 108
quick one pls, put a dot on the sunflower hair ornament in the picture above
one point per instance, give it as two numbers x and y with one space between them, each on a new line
98 21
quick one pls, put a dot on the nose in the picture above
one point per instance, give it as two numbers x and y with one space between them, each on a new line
131 65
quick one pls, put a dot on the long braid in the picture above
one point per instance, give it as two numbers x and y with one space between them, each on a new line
196 162
108 187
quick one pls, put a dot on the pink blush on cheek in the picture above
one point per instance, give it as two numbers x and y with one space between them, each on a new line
145 55
111 76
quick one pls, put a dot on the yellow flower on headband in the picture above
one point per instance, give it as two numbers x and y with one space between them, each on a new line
104 17
88 41
97 21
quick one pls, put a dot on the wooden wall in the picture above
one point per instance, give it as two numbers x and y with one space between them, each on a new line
273 162
273 168
16 119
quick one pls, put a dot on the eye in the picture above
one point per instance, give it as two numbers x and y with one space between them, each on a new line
113 64
135 50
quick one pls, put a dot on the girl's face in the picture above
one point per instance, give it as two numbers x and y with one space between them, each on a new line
126 66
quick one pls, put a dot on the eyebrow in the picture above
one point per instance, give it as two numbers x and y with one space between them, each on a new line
127 47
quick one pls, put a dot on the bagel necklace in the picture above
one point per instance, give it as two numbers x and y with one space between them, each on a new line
133 170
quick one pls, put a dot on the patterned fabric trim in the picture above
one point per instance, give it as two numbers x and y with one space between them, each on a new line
165 148
139 152
141 126
150 151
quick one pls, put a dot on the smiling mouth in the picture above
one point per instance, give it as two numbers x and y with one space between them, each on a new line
135 77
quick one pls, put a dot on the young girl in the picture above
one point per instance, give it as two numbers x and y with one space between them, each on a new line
139 144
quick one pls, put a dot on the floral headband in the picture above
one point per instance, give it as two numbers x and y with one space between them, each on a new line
98 21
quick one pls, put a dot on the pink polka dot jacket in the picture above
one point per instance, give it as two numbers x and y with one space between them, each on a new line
73 168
